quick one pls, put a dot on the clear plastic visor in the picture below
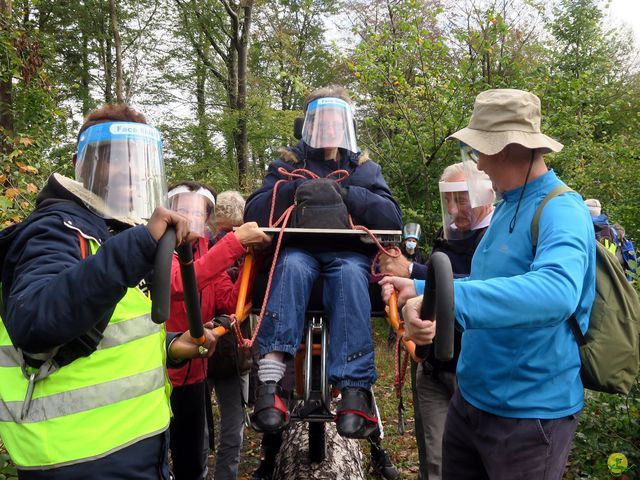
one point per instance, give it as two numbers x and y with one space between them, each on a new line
459 217
196 207
328 123
411 230
480 187
121 162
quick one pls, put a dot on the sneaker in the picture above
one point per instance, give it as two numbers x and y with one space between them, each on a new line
355 416
270 414
382 465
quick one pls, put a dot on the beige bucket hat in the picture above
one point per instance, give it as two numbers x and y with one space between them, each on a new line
504 116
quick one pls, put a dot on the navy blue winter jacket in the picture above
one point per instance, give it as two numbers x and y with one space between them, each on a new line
50 295
368 198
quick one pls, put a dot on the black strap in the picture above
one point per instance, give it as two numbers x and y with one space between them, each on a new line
575 328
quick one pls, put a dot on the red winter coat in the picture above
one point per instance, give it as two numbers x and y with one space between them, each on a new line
218 295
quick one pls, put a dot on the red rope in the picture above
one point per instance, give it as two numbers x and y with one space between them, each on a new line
399 373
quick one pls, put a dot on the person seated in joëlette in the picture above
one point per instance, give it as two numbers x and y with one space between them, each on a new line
351 190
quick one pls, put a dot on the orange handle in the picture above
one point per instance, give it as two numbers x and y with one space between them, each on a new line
411 348
393 317
219 331
241 310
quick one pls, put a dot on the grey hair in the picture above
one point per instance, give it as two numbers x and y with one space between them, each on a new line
457 169
452 171
230 205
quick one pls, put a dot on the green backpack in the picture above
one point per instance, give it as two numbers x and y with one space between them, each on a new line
609 350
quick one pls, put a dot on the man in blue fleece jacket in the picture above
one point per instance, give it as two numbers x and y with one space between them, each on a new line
515 413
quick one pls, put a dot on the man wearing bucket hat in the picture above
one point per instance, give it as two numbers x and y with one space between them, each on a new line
519 388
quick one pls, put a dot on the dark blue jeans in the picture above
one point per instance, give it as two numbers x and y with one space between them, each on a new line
347 307
479 445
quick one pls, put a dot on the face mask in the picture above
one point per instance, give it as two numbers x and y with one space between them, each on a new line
411 245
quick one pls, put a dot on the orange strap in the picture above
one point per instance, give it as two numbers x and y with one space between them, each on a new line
83 245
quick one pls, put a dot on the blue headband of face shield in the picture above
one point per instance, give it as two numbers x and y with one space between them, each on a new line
113 131
121 162
327 102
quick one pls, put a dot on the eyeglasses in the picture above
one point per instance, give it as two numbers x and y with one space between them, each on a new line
469 153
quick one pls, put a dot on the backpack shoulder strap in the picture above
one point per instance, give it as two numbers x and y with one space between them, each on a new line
559 190
575 328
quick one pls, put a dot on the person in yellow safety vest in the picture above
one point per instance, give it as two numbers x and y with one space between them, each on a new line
83 386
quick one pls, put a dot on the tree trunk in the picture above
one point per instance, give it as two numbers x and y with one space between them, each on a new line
108 74
85 80
202 139
233 145
113 15
343 460
243 51
6 117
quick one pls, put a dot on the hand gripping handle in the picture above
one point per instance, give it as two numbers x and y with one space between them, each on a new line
438 304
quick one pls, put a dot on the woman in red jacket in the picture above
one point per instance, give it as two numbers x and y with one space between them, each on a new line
218 294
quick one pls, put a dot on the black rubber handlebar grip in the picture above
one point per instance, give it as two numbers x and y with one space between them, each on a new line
190 288
161 283
438 303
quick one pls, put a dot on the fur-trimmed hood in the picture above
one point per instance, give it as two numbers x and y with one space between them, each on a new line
302 151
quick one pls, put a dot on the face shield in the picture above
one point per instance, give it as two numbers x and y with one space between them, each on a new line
411 230
480 189
196 205
328 123
459 217
121 162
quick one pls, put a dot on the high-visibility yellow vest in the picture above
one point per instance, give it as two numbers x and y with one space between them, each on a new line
95 405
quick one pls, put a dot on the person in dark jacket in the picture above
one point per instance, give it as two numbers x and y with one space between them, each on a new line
84 391
327 145
435 381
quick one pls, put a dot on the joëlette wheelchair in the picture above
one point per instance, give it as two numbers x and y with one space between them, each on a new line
312 397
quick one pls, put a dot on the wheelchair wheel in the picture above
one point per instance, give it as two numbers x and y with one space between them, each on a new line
317 445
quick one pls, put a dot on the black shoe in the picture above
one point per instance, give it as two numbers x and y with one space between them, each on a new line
263 472
355 416
381 464
270 414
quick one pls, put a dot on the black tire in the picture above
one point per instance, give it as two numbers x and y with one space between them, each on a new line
317 443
